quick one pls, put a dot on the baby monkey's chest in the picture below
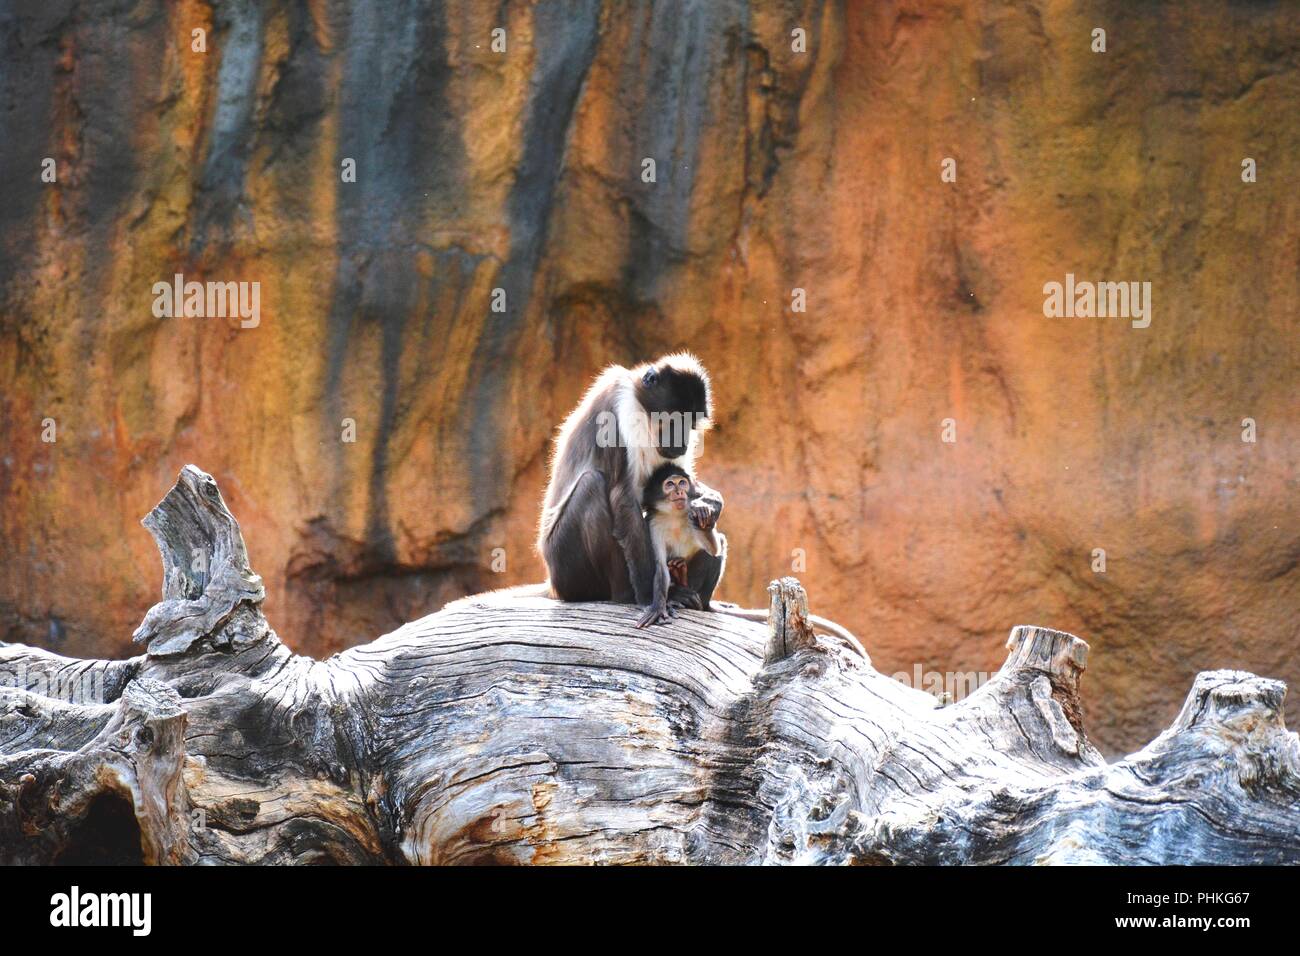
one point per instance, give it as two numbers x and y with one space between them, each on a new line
679 537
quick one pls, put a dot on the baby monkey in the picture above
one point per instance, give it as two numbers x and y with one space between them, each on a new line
676 537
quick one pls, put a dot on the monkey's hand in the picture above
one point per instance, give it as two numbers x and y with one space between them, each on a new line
677 571
659 612
705 508
701 515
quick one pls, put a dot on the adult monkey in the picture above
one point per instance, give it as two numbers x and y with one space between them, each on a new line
593 535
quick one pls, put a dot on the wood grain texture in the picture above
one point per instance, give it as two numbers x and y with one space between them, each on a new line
520 730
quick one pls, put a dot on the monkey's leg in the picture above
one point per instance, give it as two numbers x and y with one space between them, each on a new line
580 552
705 571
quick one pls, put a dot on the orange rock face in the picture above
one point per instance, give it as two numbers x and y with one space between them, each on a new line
774 171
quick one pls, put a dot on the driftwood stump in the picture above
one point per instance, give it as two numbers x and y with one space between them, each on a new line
522 730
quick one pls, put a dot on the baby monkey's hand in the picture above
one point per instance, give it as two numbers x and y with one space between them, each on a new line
677 571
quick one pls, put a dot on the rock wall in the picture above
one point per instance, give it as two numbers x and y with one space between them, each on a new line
775 170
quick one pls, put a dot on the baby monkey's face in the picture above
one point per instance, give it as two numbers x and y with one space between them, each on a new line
676 490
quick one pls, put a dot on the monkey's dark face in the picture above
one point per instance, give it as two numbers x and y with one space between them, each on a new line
676 401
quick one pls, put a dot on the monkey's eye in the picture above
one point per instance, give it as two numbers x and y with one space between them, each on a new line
651 377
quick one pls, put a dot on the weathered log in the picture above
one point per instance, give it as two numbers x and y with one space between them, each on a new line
517 729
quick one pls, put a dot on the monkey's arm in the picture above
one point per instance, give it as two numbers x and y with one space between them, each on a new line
632 533
659 612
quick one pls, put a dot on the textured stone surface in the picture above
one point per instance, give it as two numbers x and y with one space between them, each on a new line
775 171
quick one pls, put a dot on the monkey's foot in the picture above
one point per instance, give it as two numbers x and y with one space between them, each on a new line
685 597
